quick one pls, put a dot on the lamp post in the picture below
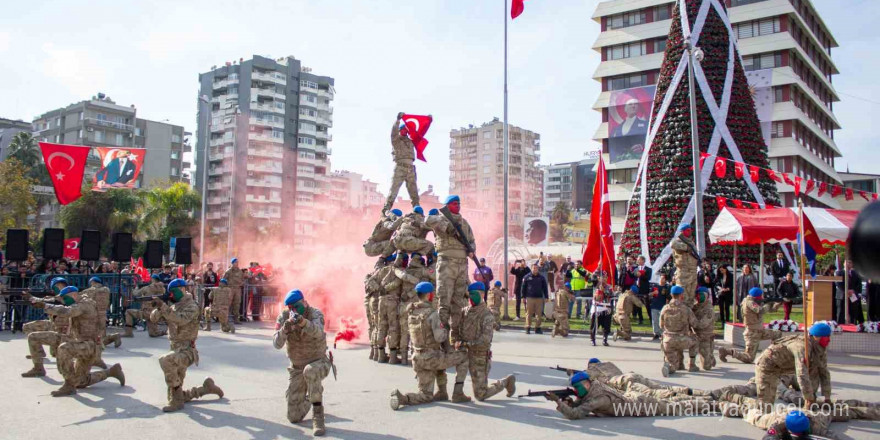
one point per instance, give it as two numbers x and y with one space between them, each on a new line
205 144
696 55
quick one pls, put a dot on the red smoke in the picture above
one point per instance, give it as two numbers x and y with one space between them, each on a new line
349 330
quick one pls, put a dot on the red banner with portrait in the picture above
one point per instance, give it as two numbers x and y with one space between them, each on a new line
120 167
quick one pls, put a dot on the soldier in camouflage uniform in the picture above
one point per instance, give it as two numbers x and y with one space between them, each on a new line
609 374
625 304
786 391
389 307
101 295
404 153
495 300
704 329
430 361
77 354
183 330
301 328
677 321
452 267
755 332
477 325
374 283
379 243
371 292
563 299
220 298
414 273
787 355
410 237
778 422
50 332
131 315
235 279
685 256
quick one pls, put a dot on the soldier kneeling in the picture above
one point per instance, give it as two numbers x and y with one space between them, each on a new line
220 298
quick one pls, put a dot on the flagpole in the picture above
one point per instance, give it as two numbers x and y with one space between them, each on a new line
506 153
801 251
695 147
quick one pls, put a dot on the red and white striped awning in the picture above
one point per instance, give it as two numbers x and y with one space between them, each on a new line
831 225
753 226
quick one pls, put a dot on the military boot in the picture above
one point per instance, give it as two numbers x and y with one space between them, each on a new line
510 385
66 389
100 364
209 387
175 400
458 395
383 356
318 428
441 395
208 324
398 399
393 359
116 372
722 354
37 371
128 332
666 370
372 353
692 365
115 339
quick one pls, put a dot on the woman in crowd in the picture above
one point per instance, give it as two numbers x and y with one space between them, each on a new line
744 284
724 287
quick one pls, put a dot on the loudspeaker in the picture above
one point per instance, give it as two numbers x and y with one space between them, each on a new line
16 244
153 255
90 245
53 243
121 247
183 250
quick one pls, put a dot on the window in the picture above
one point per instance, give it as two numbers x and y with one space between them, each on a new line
174 172
175 154
486 169
310 98
757 28
487 181
627 81
630 50
660 45
119 140
777 130
58 122
661 13
762 61
99 136
618 209
57 138
778 95
101 117
233 90
307 112
79 133
308 84
80 117
175 138
626 20
487 135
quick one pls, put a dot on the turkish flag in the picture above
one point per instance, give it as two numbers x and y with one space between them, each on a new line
787 179
835 191
811 185
600 243
516 8
874 196
849 194
180 271
722 202
71 249
864 196
703 157
754 205
797 186
416 128
66 165
755 173
823 188
774 176
739 169
720 167
738 204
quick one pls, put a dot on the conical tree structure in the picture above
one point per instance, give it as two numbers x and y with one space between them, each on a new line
728 128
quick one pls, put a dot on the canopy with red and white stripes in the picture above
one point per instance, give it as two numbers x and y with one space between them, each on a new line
753 226
831 225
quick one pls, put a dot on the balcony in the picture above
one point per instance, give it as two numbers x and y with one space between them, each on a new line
310 118
250 198
306 189
218 171
267 138
263 183
304 204
266 215
310 131
224 83
265 153
223 126
221 141
219 156
324 136
303 100
268 93
266 123
265 168
325 108
325 94
217 215
325 121
267 107
218 200
215 186
273 77
110 124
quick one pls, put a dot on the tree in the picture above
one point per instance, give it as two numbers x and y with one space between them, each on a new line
559 218
166 211
16 200
23 147
107 212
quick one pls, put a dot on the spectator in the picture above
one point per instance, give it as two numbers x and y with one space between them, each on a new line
643 275
542 265
724 286
484 274
166 276
565 269
706 278
830 271
744 283
519 271
873 301
255 283
552 271
577 277
779 269
788 290
534 290
853 295
600 311
209 277
626 276
659 297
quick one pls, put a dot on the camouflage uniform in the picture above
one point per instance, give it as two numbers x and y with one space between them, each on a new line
477 325
685 267
748 409
495 300
786 356
430 361
101 295
404 153
704 330
625 304
51 331
452 268
610 374
220 298
235 280
379 243
410 236
604 401
785 391
370 292
560 312
755 331
414 273
132 315
309 364
389 309
183 330
676 320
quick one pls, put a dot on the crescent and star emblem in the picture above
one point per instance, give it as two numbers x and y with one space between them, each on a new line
74 245
414 121
59 175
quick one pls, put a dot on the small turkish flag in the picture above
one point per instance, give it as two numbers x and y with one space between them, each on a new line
787 179
754 205
864 196
755 173
722 202
774 176
739 169
835 191
720 167
416 128
874 196
849 194
811 185
738 204
823 188
797 186
71 249
703 157
516 8
66 165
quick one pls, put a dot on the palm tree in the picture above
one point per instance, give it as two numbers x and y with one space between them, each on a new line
108 212
167 210
559 217
23 147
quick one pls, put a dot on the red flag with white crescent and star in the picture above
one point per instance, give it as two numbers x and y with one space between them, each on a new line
71 249
600 243
66 165
416 128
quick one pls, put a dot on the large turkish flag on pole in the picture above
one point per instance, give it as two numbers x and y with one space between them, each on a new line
516 8
71 249
66 165
600 244
416 128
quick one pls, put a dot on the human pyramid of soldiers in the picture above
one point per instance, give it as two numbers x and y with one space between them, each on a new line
409 325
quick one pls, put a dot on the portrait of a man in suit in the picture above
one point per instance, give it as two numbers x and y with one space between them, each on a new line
118 172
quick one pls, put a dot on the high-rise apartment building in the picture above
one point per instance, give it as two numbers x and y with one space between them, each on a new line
476 172
570 183
350 190
268 155
783 43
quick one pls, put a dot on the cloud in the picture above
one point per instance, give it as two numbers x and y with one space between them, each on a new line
73 69
5 40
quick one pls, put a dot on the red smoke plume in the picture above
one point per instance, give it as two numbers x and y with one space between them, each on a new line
349 330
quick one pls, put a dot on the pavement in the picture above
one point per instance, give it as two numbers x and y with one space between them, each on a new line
254 378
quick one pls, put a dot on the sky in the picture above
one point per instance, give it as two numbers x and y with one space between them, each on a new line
443 58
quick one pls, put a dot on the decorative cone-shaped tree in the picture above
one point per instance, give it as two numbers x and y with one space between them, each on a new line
728 128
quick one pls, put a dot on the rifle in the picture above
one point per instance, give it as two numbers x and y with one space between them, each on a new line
568 371
562 393
459 234
149 298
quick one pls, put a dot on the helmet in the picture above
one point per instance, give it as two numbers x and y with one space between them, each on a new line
424 287
477 286
593 361
293 297
497 283
820 329
95 280
419 210
756 292
177 282
797 422
57 280
452 198
676 290
68 290
224 281
580 376
397 212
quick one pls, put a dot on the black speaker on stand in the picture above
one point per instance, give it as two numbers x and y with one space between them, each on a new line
121 251
53 244
153 255
16 244
90 245
183 250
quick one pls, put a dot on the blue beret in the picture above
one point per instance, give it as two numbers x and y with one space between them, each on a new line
755 292
397 212
424 287
177 282
676 290
155 276
497 283
634 288
96 280
391 257
224 281
594 361
68 289
580 376
452 198
703 289
434 211
820 329
57 280
234 260
402 127
568 285
419 210
293 297
682 228
477 286
797 422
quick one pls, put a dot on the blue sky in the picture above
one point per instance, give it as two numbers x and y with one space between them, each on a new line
419 56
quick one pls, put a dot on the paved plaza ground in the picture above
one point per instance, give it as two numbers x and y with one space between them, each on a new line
254 377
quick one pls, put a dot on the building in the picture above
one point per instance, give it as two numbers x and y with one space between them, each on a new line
269 145
349 190
570 183
869 183
785 41
476 172
165 144
8 130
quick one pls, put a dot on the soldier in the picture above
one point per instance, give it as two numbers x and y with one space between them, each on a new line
235 278
452 272
560 311
611 375
101 296
379 243
755 331
704 328
77 354
370 292
677 321
49 331
301 328
785 391
411 235
414 273
430 361
495 300
183 329
220 298
375 283
477 325
404 154
624 309
800 423
389 321
155 288
787 355
685 256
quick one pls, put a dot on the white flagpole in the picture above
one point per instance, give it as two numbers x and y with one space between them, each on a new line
506 152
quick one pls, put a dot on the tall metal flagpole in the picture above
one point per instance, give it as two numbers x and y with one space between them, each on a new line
206 141
506 153
695 146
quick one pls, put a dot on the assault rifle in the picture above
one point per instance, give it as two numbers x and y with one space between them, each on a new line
562 393
150 298
568 371
459 234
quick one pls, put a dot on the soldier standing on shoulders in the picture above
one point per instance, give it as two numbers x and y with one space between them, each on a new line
677 321
476 331
404 154
685 256
411 236
220 298
379 243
